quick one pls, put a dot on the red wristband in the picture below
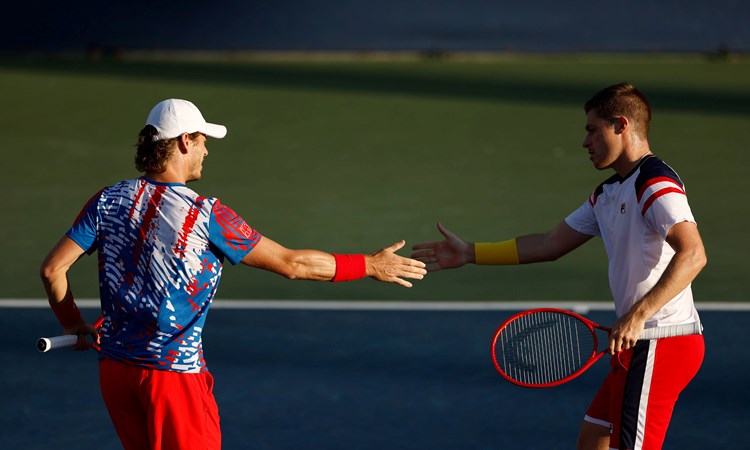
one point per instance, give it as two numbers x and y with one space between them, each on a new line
349 267
67 312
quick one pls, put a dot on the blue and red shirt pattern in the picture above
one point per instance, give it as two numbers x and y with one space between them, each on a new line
160 250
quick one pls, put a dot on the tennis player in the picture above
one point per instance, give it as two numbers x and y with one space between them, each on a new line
655 252
161 247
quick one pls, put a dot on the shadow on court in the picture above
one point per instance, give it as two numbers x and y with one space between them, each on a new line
294 379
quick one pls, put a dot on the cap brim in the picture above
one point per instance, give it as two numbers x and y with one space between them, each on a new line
215 131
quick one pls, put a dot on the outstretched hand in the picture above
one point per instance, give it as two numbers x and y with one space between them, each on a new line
385 265
449 253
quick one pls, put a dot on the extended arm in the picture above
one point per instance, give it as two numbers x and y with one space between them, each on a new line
383 265
454 252
688 260
549 246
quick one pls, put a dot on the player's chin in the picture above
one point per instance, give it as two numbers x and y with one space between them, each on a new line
599 165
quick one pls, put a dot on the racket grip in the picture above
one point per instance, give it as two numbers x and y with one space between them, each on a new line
51 343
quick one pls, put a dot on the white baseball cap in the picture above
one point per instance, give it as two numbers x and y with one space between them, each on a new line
173 117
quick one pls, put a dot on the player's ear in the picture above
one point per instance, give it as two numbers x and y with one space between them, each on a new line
621 124
183 142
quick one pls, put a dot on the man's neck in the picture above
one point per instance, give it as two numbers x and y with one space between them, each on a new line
630 159
167 176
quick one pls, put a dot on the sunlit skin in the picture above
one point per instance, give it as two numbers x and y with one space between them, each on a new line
616 143
198 153
186 163
167 205
613 143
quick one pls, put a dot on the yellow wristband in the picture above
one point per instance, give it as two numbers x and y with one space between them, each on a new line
505 252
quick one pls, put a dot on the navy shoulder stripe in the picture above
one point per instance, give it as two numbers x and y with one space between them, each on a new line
653 167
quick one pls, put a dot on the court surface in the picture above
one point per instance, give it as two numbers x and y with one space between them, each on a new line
360 379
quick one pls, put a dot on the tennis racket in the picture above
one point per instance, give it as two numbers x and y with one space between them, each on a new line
546 347
45 344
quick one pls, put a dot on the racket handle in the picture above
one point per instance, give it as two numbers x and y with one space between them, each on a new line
55 342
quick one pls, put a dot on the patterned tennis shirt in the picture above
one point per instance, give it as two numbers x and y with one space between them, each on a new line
160 250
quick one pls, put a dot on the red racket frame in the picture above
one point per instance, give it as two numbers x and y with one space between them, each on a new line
593 358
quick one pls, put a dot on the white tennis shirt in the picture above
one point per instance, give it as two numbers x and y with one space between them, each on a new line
633 215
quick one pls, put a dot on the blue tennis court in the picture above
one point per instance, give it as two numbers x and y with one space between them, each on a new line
360 379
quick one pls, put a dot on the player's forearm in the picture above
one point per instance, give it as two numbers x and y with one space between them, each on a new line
681 271
549 246
535 248
310 265
305 264
320 266
543 247
520 250
57 292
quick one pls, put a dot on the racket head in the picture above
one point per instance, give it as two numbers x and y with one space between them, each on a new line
545 347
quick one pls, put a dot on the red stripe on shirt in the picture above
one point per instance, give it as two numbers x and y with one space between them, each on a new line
137 199
144 227
655 180
233 226
187 227
658 194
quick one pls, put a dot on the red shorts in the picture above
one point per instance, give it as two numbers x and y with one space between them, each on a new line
160 410
638 396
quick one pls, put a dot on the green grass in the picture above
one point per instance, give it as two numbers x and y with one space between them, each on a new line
349 156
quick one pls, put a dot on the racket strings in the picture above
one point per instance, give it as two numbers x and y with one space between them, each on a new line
544 347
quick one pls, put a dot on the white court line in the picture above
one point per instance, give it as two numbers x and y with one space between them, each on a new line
369 305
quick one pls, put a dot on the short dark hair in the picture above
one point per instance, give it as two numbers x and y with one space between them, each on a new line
151 155
622 99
